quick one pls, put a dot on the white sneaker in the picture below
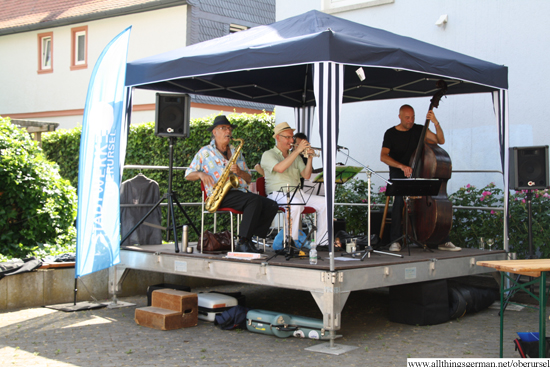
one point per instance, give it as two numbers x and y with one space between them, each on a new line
395 247
448 246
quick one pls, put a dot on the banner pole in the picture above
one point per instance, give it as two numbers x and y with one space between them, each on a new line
75 290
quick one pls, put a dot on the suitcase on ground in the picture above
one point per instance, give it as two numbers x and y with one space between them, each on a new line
241 298
284 325
211 304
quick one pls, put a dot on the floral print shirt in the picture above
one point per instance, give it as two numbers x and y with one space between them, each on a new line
210 161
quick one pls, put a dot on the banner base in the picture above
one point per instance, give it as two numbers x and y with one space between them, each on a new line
118 304
79 306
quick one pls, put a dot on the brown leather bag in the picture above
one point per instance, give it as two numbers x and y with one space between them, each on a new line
215 242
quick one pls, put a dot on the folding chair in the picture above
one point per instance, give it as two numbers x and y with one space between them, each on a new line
220 210
260 186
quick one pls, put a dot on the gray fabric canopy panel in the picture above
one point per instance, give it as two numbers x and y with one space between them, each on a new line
311 60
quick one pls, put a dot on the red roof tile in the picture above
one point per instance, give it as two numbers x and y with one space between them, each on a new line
21 13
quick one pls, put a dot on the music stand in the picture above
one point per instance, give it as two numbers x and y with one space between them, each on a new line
408 187
343 174
288 247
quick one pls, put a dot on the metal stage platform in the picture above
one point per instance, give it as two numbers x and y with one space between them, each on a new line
329 289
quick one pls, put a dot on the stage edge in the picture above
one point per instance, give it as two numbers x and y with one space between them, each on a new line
329 289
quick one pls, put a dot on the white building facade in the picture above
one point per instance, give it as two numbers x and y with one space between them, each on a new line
506 32
73 34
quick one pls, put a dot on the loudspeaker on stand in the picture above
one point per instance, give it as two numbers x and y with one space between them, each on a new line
529 168
172 115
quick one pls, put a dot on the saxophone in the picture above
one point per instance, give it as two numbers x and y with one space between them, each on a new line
227 181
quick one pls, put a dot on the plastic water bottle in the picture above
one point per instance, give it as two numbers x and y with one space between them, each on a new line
313 253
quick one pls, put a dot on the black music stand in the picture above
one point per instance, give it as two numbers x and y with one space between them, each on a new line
407 187
288 243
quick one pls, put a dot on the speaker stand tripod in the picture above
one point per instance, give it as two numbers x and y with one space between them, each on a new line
172 198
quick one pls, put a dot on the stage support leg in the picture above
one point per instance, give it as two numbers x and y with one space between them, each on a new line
331 301
117 274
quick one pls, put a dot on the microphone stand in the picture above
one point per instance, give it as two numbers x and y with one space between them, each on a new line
369 248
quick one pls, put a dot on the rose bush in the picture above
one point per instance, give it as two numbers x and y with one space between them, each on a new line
482 216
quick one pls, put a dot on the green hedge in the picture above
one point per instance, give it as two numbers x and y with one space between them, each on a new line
145 148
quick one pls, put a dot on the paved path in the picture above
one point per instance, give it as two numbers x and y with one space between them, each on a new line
110 337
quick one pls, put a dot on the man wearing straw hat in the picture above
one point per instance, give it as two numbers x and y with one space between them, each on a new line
283 170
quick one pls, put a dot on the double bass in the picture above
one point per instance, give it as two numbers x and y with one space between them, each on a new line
432 216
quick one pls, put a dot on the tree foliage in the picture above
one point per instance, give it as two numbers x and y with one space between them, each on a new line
37 206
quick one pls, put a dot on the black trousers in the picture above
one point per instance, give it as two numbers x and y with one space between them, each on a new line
396 229
258 212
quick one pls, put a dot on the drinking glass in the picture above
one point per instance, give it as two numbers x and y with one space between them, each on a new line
481 243
349 244
490 243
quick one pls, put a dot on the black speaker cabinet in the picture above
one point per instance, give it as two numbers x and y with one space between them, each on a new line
172 115
529 168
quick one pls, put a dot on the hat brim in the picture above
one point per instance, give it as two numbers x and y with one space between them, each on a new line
291 129
215 126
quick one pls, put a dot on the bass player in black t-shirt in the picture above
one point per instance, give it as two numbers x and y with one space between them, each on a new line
398 147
